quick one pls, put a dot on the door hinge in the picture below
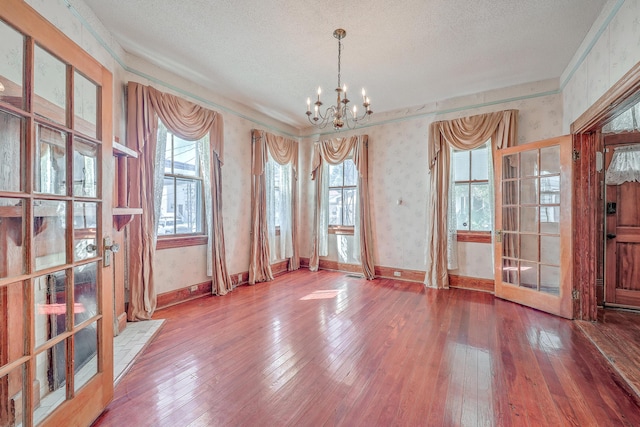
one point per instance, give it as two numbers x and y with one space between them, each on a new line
575 294
576 155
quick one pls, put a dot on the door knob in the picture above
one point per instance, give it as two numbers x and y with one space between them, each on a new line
113 248
611 236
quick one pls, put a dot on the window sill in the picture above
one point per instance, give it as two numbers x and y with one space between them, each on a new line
341 230
180 241
474 236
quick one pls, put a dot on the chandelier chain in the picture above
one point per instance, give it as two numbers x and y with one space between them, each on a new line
339 56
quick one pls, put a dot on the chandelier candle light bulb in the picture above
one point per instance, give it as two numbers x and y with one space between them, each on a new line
338 115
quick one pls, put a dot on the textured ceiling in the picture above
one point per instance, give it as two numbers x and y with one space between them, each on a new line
272 54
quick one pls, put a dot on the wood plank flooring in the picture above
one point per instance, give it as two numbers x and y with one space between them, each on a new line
358 352
617 335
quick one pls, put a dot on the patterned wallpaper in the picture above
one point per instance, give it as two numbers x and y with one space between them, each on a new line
612 55
397 149
398 171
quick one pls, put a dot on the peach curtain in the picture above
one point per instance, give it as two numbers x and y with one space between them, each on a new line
335 151
189 121
466 133
283 151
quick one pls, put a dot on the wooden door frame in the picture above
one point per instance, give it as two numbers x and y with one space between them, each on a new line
94 396
587 141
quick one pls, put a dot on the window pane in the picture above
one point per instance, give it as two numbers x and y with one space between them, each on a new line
550 250
277 200
529 163
85 105
510 166
85 169
13 390
49 229
11 66
510 193
529 247
510 219
529 191
166 224
461 194
85 292
85 229
550 190
550 160
529 219
550 219
164 135
51 166
12 234
529 275
480 207
461 165
550 279
185 157
51 375
335 175
510 271
13 327
50 300
510 246
480 163
349 205
335 207
350 173
11 149
85 360
188 206
50 85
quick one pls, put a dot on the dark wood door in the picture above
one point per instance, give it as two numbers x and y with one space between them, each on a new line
622 247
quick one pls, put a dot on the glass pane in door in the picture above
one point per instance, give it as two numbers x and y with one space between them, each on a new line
50 306
13 253
50 372
85 105
51 165
12 139
49 229
50 85
12 390
11 66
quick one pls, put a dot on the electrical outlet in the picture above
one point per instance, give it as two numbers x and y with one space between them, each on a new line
193 288
397 274
240 278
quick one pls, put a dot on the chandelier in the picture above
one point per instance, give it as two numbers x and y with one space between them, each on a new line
340 114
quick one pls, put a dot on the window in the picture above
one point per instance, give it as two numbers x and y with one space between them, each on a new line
181 211
472 205
343 179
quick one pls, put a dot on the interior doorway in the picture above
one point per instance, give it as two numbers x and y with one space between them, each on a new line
621 220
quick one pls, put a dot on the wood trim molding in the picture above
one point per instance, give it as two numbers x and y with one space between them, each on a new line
180 242
406 275
177 296
471 283
341 230
624 93
474 236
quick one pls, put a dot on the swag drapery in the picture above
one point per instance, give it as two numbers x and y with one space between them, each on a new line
334 151
283 151
466 133
188 121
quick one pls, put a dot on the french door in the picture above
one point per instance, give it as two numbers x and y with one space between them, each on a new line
533 223
56 334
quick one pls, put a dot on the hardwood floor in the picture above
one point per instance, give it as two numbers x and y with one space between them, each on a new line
617 335
358 352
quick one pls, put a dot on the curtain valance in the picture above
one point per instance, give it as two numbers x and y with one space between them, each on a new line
464 133
624 166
